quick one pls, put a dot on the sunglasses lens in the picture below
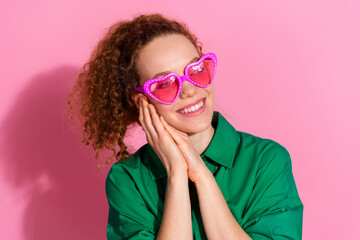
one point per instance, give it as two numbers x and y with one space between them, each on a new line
203 72
165 90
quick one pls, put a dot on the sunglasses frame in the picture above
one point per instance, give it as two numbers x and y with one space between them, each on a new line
181 79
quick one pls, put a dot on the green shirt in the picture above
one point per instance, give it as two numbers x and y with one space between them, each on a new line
254 175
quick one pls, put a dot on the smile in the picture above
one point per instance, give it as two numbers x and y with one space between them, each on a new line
193 108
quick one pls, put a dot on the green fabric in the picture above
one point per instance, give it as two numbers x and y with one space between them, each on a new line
254 175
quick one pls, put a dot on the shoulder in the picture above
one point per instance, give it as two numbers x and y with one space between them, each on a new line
264 151
126 172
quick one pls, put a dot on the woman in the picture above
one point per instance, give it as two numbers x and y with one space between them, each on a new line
197 178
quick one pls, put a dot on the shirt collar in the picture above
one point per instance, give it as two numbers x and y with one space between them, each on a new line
225 142
222 148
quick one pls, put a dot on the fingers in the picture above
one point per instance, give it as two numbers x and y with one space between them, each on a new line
175 134
145 121
156 120
191 156
150 121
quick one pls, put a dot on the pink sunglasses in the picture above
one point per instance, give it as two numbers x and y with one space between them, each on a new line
167 89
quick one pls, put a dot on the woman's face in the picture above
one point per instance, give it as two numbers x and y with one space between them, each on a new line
172 53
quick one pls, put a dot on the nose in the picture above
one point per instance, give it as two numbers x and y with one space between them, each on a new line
188 89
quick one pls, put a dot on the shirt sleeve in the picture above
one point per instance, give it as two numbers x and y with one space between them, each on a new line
128 216
276 210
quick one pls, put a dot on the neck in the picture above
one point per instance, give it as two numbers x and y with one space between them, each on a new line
201 140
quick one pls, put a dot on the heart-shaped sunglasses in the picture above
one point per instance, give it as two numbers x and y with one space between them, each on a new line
167 89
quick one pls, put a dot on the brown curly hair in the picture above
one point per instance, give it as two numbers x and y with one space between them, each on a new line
106 81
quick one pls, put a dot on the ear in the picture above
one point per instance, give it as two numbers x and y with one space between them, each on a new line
136 97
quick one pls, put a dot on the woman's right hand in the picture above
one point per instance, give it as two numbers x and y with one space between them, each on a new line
160 140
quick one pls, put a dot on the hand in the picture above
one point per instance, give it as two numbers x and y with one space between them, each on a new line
195 164
160 140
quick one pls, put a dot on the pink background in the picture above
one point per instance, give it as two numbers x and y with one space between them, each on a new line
288 70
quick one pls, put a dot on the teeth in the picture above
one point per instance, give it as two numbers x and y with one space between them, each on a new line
193 108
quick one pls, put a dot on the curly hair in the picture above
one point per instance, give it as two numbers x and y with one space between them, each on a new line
106 81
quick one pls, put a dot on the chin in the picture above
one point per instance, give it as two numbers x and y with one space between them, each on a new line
196 126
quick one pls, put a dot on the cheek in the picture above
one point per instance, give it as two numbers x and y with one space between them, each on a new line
161 109
212 93
211 89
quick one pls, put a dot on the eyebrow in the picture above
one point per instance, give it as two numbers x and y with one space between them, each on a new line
167 72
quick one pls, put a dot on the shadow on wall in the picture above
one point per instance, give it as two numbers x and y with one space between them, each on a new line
45 159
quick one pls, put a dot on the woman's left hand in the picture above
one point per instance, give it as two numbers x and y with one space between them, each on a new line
195 163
